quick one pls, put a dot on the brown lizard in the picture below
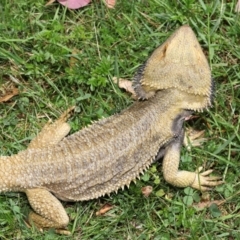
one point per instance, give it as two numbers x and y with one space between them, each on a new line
114 151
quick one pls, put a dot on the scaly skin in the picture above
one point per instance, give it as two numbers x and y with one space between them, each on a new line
114 151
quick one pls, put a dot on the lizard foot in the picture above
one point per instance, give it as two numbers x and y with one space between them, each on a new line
48 211
29 223
204 182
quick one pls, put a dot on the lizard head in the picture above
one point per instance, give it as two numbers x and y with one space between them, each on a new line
179 64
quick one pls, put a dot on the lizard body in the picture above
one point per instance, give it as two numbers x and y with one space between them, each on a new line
82 162
112 152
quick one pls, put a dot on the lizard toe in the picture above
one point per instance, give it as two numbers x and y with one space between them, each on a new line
204 182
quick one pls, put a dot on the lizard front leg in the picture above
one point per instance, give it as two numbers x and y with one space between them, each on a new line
201 181
52 133
48 211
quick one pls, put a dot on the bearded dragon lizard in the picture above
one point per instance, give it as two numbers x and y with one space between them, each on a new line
114 151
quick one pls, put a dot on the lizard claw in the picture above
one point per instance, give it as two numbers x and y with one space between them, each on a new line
204 182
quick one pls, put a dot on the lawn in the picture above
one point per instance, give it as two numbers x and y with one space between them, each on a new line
52 58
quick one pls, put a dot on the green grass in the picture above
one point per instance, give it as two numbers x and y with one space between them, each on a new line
61 58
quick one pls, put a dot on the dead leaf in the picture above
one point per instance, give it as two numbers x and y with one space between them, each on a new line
110 3
73 60
13 91
169 196
50 2
205 204
125 84
146 191
104 209
237 8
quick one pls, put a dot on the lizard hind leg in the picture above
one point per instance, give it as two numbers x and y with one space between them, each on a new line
48 211
52 133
